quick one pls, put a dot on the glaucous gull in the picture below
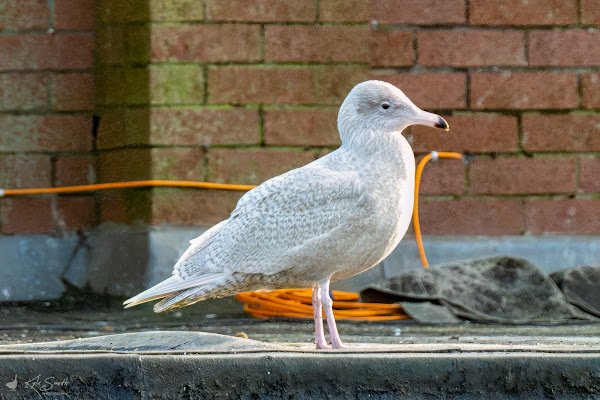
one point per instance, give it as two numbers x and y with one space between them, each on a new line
331 219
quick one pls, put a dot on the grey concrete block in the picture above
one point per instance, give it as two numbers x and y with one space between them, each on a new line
118 259
354 283
550 253
32 266
76 273
166 245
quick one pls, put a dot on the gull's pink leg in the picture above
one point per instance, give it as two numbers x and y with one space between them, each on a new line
318 313
336 342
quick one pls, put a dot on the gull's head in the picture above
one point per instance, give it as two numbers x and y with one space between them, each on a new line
381 108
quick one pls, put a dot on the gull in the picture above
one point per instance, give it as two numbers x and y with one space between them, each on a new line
328 220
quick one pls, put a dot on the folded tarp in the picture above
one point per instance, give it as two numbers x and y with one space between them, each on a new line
489 289
581 286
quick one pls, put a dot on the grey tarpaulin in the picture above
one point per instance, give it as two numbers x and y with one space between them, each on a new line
492 289
581 286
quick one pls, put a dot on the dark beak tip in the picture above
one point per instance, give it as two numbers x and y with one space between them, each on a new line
442 124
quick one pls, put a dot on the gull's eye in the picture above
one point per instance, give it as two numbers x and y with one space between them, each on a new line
385 105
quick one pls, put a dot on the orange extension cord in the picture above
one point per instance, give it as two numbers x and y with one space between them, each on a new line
294 303
433 155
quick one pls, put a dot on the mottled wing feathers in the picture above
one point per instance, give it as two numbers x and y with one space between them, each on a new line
275 218
197 245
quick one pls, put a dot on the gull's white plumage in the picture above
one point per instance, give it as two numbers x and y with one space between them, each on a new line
331 219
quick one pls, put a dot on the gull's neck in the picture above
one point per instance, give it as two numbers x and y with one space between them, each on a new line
385 146
385 157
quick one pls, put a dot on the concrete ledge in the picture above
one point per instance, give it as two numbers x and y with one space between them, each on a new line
382 360
304 376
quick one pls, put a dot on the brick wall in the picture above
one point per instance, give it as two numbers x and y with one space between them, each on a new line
239 91
46 105
516 79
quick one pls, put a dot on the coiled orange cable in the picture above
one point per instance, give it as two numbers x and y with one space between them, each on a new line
297 303
294 303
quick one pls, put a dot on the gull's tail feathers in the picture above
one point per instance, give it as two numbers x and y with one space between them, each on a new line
173 286
183 298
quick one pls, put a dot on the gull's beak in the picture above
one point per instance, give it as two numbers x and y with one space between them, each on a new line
430 119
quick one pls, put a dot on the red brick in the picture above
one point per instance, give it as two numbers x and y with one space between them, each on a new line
125 165
45 133
590 12
343 10
181 10
119 11
477 48
178 164
73 92
418 12
134 85
590 87
138 44
392 49
204 127
443 177
470 217
26 215
75 170
253 167
135 131
431 90
25 171
111 131
523 90
113 206
23 91
477 133
523 176
74 212
24 14
206 43
523 12
569 48
301 127
577 216
561 132
46 214
320 85
261 10
126 206
113 44
300 43
589 180
56 51
192 207
175 84
74 14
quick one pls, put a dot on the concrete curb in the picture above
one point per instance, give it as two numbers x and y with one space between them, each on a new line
150 365
285 375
